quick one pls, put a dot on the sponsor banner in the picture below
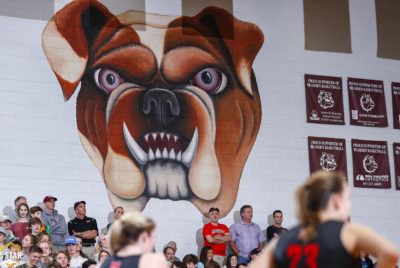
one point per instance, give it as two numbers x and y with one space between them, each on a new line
370 164
367 103
324 98
396 152
328 154
396 104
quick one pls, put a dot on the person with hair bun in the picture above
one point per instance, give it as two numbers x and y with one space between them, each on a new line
131 241
324 237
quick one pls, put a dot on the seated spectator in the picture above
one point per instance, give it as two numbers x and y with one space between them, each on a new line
62 257
104 254
43 237
35 253
13 215
28 242
212 264
232 261
178 264
79 243
21 227
206 255
46 248
190 260
76 260
54 264
89 264
37 212
5 222
35 225
102 244
3 249
118 212
14 250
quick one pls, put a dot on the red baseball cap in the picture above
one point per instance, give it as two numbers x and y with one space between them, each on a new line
48 198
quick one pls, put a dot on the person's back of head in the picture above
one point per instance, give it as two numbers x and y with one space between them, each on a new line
87 263
190 258
127 228
212 264
178 264
313 196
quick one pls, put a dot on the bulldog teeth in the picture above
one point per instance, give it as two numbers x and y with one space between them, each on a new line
172 155
142 157
165 153
151 155
158 153
137 152
188 155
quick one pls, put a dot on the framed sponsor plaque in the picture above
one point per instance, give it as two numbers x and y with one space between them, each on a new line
367 103
371 167
328 154
396 104
396 152
324 99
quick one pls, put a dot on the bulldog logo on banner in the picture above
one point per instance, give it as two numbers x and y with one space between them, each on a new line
370 164
169 112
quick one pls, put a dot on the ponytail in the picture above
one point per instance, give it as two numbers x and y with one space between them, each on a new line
312 197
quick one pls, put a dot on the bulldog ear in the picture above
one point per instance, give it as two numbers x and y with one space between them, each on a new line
67 38
243 40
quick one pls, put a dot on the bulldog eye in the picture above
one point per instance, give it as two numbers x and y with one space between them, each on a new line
211 80
107 79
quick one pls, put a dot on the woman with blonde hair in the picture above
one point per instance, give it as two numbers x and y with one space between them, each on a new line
102 244
132 242
324 237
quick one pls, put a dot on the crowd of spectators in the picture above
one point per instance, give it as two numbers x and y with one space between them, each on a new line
40 237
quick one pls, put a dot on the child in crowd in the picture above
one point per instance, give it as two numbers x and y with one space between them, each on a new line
37 212
35 225
190 260
102 244
5 222
76 260
21 227
63 258
47 248
14 255
103 255
3 248
27 242
43 237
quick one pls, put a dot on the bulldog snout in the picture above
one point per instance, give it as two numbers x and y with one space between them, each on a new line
162 104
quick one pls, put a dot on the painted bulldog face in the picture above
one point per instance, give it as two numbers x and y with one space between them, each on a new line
169 112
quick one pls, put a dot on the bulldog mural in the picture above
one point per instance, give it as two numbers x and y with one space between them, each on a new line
169 111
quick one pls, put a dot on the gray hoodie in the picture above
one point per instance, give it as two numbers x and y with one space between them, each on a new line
58 226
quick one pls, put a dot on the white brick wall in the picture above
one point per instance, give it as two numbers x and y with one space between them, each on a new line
40 151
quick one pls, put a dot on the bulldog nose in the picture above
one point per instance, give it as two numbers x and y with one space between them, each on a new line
162 104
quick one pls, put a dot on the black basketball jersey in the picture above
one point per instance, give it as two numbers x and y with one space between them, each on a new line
324 251
121 262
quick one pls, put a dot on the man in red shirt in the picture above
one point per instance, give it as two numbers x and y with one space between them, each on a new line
216 235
